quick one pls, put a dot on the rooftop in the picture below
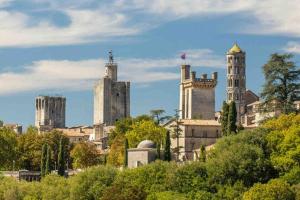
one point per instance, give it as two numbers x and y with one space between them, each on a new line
235 49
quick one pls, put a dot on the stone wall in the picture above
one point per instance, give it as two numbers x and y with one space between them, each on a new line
50 111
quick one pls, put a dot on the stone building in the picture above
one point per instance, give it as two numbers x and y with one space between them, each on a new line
15 127
196 114
194 133
236 79
111 97
145 153
50 112
197 95
111 103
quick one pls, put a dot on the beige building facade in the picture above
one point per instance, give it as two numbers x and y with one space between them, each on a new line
50 112
197 95
111 97
194 134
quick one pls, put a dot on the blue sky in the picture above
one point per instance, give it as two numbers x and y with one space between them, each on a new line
60 47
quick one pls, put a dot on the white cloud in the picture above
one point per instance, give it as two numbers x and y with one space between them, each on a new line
92 20
66 75
292 47
85 26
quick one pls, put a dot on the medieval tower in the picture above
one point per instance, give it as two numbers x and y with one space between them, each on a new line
50 112
197 95
236 79
111 97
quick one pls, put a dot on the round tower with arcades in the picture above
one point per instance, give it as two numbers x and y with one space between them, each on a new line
236 79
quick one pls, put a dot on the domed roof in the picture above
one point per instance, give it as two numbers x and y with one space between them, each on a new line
235 49
146 144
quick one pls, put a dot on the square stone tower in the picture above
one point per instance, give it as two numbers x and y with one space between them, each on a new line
236 79
50 112
197 95
111 97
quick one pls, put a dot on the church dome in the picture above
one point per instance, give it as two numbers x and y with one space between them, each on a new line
146 144
235 49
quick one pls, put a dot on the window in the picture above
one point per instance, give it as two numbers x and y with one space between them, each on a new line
236 83
193 132
237 97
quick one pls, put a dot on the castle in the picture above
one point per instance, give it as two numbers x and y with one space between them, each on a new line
111 97
50 112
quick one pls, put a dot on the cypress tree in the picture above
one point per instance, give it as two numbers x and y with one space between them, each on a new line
232 118
224 118
48 161
43 160
126 153
167 153
61 159
158 150
202 157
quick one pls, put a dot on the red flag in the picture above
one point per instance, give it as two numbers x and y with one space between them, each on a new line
183 56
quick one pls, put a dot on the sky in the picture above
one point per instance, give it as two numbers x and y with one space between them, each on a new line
54 47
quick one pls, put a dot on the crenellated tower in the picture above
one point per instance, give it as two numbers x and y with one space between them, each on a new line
236 79
197 95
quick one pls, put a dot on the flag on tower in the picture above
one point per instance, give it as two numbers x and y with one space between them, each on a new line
183 56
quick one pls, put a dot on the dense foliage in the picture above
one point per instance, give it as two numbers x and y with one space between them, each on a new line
255 164
25 151
282 82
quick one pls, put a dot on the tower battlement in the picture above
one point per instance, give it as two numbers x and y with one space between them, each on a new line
189 79
197 95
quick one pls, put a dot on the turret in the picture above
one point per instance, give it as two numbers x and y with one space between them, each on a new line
185 72
111 68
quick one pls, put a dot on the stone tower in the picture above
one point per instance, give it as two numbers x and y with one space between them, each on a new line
111 97
197 95
236 79
50 112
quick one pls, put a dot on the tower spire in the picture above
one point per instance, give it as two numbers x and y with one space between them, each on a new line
111 57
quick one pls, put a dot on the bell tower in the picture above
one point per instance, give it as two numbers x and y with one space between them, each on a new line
236 79
111 68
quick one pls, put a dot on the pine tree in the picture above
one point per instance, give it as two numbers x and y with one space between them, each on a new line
202 157
126 153
224 118
61 159
48 161
43 160
282 83
167 152
232 115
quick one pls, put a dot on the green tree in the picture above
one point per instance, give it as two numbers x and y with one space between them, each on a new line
282 82
145 130
126 153
273 190
176 133
92 183
61 163
168 195
224 117
232 117
8 150
158 117
84 154
167 150
242 157
48 161
284 141
43 159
